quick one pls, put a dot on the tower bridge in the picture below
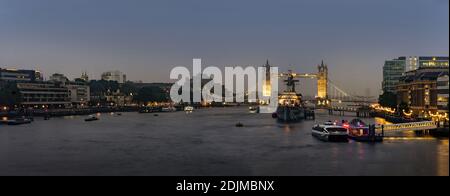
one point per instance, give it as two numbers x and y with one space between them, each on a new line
327 90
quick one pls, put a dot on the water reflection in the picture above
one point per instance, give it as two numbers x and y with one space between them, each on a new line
206 142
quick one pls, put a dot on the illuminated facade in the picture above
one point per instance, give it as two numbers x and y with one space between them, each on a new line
442 90
419 90
417 62
267 88
322 82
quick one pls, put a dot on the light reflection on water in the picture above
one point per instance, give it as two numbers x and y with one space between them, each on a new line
206 142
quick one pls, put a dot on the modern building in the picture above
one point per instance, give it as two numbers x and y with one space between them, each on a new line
43 94
79 94
417 62
20 75
114 76
392 72
442 93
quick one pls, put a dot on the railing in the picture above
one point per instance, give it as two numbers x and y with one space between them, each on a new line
414 126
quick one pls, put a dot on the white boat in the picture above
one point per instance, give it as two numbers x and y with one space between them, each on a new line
253 109
188 109
330 132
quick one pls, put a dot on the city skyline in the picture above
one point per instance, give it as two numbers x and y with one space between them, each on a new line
146 39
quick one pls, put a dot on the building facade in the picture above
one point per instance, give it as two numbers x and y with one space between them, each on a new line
442 93
79 94
114 76
392 72
423 62
43 94
20 75
419 90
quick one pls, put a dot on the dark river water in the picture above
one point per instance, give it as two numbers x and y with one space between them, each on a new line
206 142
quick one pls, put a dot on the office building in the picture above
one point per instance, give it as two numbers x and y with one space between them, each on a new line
20 75
392 72
43 94
416 62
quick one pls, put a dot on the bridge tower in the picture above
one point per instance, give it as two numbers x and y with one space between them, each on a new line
322 85
267 88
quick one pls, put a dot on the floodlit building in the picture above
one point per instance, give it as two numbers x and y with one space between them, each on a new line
442 93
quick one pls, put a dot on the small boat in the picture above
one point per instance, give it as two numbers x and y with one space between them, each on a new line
91 118
360 132
144 110
169 109
188 109
253 109
19 121
330 132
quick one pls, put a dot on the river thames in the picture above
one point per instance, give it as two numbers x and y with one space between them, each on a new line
207 142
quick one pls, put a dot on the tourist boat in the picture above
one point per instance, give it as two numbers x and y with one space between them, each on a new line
330 132
169 109
91 118
253 109
359 131
188 109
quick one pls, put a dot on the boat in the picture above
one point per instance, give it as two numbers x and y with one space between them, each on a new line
188 109
330 132
290 105
91 118
253 109
144 110
361 132
19 121
169 109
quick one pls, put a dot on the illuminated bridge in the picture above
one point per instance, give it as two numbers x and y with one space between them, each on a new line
327 90
413 126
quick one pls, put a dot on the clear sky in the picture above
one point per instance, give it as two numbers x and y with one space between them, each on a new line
146 38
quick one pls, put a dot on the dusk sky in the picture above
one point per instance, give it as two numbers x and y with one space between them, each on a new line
146 38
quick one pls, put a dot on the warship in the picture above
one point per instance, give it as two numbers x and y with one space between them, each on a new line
290 105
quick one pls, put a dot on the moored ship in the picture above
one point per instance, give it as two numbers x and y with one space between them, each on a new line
290 104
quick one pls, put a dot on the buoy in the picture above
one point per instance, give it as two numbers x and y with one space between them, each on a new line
239 125
274 115
155 115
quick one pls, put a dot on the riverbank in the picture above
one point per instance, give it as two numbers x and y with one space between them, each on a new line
67 112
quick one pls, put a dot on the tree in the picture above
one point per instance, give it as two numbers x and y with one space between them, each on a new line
403 106
9 94
150 94
128 88
388 99
101 87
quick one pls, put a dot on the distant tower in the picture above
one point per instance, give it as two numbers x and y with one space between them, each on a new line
322 82
85 77
267 88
